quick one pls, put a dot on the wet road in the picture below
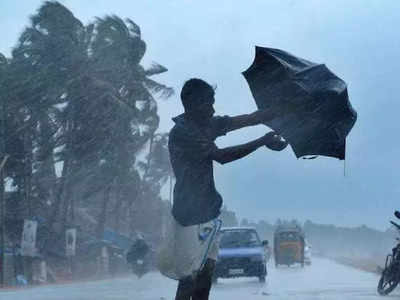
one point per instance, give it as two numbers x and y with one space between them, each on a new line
323 280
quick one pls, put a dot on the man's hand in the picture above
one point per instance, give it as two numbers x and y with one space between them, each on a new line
271 140
274 141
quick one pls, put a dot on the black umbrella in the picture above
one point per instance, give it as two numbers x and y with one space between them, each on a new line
322 115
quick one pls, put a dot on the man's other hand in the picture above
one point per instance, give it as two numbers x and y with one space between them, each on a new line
274 141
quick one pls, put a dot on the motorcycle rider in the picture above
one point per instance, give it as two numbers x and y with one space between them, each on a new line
138 251
390 274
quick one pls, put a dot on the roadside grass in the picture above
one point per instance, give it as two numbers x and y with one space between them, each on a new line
373 265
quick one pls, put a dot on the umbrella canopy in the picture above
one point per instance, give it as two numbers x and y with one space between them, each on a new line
322 115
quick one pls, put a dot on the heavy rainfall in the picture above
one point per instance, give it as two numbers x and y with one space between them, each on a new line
199 150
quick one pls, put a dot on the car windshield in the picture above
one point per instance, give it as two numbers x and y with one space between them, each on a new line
239 238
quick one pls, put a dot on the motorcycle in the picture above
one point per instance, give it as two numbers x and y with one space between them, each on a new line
390 277
140 267
139 257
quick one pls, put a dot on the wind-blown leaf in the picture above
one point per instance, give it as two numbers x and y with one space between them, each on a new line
133 28
155 69
156 87
3 60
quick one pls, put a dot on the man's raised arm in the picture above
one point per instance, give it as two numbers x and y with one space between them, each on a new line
255 118
261 116
233 153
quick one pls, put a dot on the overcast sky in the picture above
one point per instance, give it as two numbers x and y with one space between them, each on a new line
214 40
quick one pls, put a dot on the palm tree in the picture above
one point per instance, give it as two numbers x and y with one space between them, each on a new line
3 158
115 54
156 172
45 63
85 102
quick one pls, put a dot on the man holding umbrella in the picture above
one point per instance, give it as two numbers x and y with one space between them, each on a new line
196 201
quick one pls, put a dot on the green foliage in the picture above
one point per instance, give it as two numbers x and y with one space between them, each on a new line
80 109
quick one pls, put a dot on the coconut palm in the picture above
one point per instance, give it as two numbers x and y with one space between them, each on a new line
86 103
115 54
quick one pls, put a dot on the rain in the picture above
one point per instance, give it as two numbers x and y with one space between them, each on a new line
147 153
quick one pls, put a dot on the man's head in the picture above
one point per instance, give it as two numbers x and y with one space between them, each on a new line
198 98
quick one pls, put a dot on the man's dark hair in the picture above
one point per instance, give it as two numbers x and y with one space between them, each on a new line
193 92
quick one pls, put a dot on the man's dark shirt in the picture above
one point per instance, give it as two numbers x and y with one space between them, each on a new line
196 200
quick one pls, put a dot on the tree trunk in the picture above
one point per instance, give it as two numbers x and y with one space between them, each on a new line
67 200
149 157
61 185
59 194
28 173
45 177
66 206
27 180
3 157
117 210
72 210
103 214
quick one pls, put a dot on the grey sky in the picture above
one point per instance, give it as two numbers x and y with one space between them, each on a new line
214 40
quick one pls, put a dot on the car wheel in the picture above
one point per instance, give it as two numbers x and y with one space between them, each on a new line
261 279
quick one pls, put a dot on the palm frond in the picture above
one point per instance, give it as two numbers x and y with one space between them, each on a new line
134 29
111 27
53 15
113 42
3 60
155 87
111 93
155 69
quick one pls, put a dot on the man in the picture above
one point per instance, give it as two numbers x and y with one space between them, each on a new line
192 152
138 252
267 250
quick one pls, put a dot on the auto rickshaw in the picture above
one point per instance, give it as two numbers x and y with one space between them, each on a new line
288 245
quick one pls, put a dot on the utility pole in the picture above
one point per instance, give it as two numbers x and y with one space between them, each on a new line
171 187
27 192
3 157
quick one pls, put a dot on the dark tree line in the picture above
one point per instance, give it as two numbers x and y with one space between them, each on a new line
79 108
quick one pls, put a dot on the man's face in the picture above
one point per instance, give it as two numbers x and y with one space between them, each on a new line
206 110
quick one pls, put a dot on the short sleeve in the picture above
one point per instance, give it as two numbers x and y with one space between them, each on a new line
220 125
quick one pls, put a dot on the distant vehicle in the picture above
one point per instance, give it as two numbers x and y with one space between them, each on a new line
138 257
307 254
289 245
241 254
390 277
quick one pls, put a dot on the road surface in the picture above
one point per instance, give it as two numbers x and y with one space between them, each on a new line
324 280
